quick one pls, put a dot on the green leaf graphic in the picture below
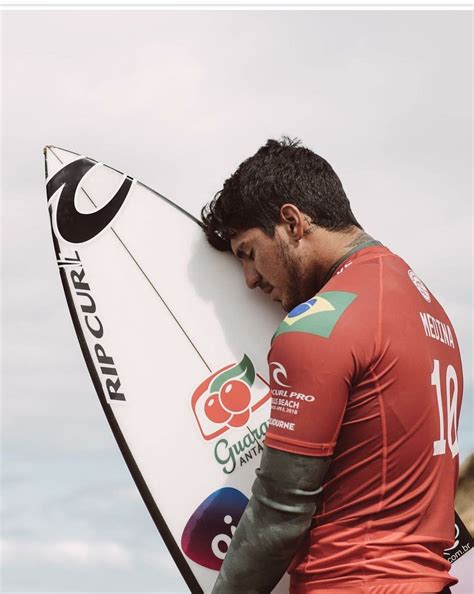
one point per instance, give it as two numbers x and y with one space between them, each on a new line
244 371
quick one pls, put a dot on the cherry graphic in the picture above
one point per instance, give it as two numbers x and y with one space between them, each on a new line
235 396
239 419
214 409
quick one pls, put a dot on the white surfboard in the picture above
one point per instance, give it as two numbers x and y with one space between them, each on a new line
176 347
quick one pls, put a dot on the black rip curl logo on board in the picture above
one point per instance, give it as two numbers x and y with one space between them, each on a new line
75 226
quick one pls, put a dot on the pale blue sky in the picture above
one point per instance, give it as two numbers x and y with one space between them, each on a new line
178 99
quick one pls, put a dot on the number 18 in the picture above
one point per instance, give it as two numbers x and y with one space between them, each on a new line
439 446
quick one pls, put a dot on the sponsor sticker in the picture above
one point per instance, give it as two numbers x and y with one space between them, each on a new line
227 399
91 324
70 224
208 532
225 403
463 542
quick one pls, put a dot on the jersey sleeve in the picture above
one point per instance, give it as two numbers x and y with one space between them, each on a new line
311 367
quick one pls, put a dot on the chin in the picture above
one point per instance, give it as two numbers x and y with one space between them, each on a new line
290 300
290 305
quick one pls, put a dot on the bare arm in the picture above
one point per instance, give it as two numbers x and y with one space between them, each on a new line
274 523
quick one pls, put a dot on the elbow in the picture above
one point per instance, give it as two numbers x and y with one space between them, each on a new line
287 517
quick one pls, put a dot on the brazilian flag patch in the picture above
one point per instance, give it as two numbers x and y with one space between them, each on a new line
318 315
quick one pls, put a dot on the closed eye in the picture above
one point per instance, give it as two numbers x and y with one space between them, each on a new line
241 255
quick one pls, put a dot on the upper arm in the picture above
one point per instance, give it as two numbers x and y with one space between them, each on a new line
312 366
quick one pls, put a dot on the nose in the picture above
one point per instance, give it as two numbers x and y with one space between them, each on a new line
252 277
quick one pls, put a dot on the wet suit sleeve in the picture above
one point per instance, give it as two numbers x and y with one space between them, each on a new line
274 523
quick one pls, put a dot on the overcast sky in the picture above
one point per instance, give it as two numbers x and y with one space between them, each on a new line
178 100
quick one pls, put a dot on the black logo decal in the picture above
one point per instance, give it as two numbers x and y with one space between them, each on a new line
74 226
463 541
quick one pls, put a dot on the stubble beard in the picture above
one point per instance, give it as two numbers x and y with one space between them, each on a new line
295 279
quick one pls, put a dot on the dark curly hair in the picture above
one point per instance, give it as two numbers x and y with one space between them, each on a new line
279 172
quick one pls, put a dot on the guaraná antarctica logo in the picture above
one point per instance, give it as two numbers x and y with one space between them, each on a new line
208 532
226 400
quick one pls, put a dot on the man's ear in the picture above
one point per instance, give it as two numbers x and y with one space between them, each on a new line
294 221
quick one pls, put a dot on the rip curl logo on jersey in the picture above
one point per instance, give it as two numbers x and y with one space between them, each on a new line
69 223
208 532
318 315
286 401
228 398
279 372
420 285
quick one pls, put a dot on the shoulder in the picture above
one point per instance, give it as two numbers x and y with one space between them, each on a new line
319 315
347 302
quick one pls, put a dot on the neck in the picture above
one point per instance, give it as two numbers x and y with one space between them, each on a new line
358 240
331 246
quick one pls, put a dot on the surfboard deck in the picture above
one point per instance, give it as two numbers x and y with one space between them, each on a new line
176 347
162 319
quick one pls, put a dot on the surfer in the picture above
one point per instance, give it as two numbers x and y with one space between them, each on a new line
355 490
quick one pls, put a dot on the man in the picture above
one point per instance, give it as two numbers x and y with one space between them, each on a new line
355 492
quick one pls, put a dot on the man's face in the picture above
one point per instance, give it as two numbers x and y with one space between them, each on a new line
272 264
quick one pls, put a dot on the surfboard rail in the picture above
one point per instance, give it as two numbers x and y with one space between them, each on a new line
157 517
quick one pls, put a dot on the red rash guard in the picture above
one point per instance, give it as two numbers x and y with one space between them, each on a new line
369 372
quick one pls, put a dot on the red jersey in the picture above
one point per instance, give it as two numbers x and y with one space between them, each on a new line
369 372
